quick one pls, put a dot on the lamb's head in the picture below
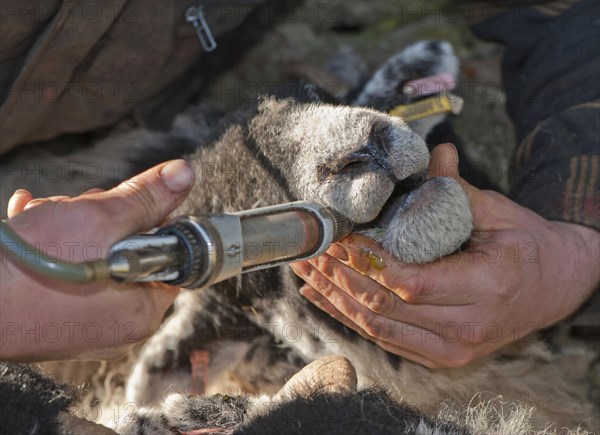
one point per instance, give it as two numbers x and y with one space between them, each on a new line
356 161
371 167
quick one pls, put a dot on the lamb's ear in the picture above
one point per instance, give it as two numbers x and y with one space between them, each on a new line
330 374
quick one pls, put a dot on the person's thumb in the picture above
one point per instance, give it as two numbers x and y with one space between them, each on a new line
444 163
143 201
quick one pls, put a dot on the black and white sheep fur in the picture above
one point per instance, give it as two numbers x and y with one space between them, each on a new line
304 145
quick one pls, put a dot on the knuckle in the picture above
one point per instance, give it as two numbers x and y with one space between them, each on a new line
322 286
326 265
143 201
359 262
411 289
505 291
377 302
372 327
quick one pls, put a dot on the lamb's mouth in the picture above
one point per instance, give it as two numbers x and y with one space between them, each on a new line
396 200
405 187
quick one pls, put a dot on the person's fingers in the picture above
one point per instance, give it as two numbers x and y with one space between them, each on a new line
373 296
17 202
439 283
411 341
443 162
103 218
23 200
35 203
39 201
317 299
144 201
376 299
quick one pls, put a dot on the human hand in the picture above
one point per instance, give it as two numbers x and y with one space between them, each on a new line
518 273
46 319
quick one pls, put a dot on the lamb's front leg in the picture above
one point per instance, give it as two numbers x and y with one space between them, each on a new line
210 345
200 322
160 353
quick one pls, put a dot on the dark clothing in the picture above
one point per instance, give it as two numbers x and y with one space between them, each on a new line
551 74
75 66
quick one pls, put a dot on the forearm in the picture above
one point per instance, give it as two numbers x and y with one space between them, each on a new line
579 276
38 324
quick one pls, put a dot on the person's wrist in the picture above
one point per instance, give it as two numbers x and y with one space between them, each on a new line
14 283
578 247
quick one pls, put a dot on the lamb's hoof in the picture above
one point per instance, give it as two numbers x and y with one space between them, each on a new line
330 374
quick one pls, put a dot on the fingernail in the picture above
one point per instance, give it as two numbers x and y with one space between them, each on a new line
455 150
338 251
305 291
21 192
34 203
177 175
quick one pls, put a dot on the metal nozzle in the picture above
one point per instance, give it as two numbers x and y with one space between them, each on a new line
145 258
197 251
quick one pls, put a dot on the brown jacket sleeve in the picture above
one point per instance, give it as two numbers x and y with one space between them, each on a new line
75 66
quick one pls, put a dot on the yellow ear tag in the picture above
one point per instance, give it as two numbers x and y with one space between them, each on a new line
429 107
